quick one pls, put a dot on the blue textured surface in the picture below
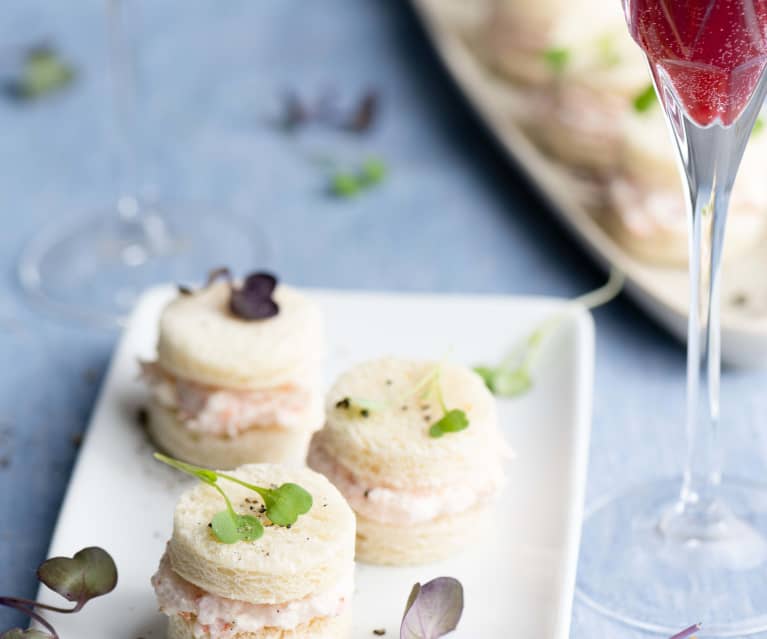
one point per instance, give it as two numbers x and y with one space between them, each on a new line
451 217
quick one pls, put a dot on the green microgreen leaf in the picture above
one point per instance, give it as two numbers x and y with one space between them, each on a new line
608 50
372 172
758 126
344 185
90 573
452 421
43 72
645 99
18 633
284 504
224 527
557 58
513 376
433 610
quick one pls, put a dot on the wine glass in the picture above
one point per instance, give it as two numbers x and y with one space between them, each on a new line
675 552
93 267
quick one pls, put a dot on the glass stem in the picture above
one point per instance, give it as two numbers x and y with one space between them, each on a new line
710 157
122 59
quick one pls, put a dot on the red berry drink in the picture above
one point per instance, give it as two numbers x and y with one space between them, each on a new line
711 52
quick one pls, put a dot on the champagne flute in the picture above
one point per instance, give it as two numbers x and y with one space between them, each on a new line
92 268
680 551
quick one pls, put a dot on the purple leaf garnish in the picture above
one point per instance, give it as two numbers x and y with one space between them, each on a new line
432 610
365 114
90 573
254 300
687 632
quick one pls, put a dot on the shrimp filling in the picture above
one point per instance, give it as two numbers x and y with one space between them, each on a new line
215 616
228 412
402 507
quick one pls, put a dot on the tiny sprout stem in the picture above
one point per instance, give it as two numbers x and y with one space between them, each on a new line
603 294
203 474
26 608
229 506
440 396
263 492
528 351
29 603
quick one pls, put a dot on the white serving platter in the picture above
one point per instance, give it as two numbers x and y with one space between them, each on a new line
660 291
518 583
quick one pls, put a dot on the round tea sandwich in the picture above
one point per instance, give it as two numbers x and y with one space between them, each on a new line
237 377
294 581
415 449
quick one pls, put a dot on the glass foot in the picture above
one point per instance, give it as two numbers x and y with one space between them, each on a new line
93 269
644 564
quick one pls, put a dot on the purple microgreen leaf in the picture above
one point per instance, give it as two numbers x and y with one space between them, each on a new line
295 113
254 300
18 633
262 284
90 573
687 632
217 274
364 115
433 610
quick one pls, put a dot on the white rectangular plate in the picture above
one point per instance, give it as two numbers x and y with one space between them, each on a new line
661 291
519 583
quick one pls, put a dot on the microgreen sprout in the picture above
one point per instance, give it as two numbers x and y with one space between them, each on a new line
43 73
452 420
758 126
513 376
90 573
688 632
557 58
432 610
283 505
345 183
645 99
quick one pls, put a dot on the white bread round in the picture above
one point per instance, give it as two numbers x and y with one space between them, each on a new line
285 564
319 628
202 341
392 447
274 444
442 538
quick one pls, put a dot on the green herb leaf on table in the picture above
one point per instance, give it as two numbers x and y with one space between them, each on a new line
557 58
346 184
645 100
42 73
513 376
433 609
